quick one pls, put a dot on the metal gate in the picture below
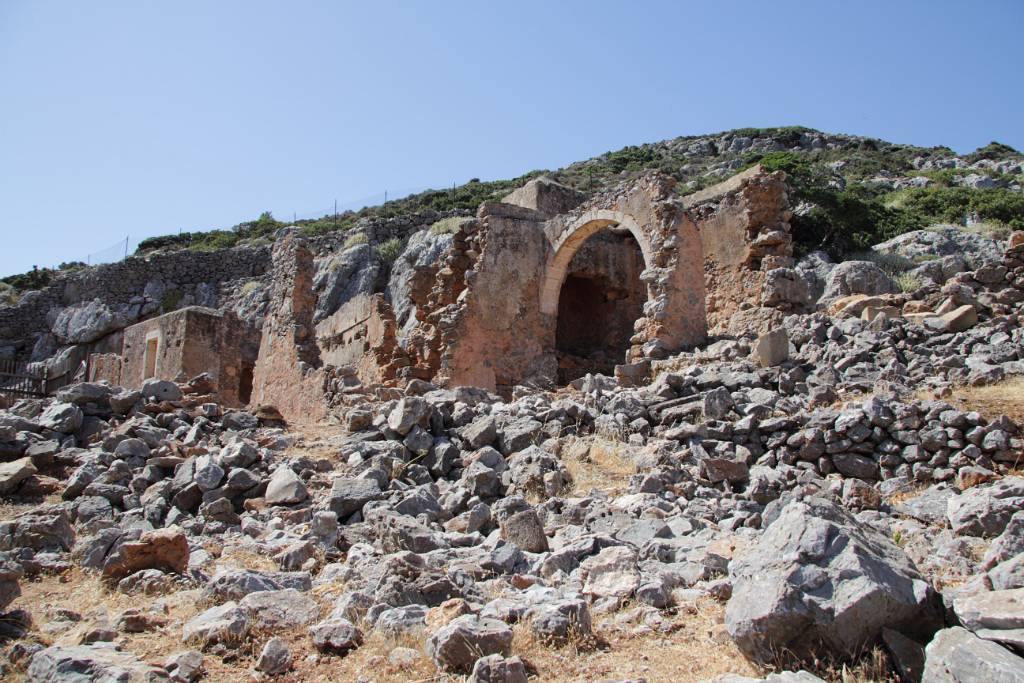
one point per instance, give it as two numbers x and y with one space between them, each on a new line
17 380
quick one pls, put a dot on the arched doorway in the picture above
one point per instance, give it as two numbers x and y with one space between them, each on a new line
599 300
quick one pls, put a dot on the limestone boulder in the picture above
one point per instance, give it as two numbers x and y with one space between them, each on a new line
457 646
227 623
857 277
986 510
65 418
819 578
948 240
285 488
612 573
99 663
956 655
12 474
771 348
161 390
86 322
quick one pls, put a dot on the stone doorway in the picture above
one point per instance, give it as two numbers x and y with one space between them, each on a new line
600 300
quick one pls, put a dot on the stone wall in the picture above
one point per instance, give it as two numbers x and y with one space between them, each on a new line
289 373
744 233
187 276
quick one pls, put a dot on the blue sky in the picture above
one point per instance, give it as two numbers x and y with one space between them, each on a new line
141 118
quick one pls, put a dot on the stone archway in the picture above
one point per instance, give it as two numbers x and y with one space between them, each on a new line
674 315
572 238
594 292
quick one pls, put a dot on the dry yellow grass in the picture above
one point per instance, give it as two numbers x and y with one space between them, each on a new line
605 465
694 649
1002 398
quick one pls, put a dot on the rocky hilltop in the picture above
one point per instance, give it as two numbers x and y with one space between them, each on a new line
820 482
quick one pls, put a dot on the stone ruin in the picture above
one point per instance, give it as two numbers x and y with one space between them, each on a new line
540 289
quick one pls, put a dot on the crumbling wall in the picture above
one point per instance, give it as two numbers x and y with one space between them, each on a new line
744 232
289 373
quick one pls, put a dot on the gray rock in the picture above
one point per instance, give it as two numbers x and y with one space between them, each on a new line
995 615
943 241
62 417
557 621
336 635
518 435
526 531
612 573
185 666
481 432
96 663
285 488
771 348
819 578
456 646
280 609
235 584
86 322
986 510
13 473
161 390
716 404
498 669
1009 544
350 495
275 658
956 655
227 623
857 277
409 411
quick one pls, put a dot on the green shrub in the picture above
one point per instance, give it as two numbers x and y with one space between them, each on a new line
954 204
390 250
908 282
356 238
449 226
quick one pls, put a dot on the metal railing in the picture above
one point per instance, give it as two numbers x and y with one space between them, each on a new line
19 380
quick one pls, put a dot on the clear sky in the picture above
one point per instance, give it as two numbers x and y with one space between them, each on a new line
140 118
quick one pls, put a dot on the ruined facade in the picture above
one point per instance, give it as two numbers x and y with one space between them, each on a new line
181 345
539 289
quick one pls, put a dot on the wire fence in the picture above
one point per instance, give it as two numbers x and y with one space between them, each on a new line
111 254
124 248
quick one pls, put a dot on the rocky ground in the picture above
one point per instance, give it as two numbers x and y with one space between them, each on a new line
841 499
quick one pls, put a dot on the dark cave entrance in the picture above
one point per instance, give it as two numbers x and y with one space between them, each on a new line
599 302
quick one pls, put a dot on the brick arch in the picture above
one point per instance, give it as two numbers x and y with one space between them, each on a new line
572 239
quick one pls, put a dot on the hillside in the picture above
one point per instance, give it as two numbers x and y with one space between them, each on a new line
848 192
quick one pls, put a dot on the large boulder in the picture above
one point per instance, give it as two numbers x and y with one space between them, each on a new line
100 663
13 473
820 581
857 277
285 488
945 240
956 655
86 322
986 510
457 646
65 418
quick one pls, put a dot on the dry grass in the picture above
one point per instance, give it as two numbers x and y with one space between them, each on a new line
696 648
1002 398
606 465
